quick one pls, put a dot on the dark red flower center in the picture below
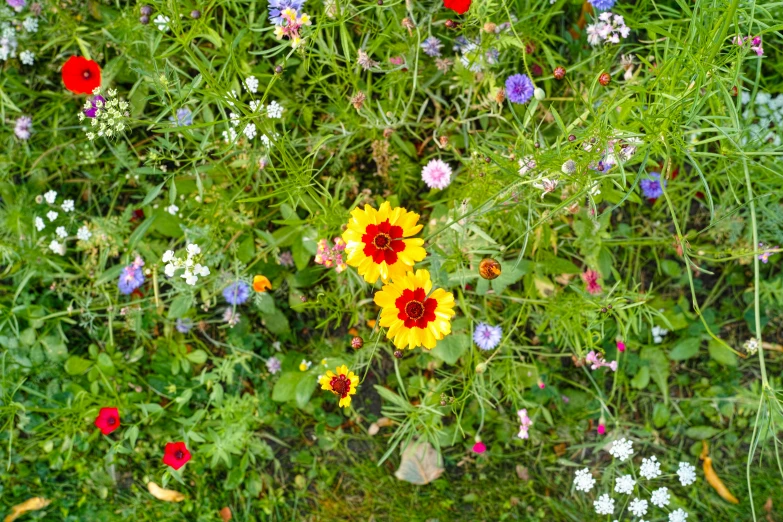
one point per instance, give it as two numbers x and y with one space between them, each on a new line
111 421
340 385
415 308
179 454
382 242
86 74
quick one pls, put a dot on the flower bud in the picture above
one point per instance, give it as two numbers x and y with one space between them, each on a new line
481 367
539 93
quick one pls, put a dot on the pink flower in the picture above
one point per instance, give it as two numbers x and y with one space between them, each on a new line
590 277
620 346
479 447
436 174
601 428
524 424
541 384
596 360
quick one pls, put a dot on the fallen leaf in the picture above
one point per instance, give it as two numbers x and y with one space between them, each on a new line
420 464
522 472
560 449
225 514
167 495
31 504
712 477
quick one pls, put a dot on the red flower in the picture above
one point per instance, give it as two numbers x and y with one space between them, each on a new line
80 75
108 420
176 454
458 6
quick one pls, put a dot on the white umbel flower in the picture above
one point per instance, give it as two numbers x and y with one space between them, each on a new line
39 223
584 481
678 515
638 507
83 234
621 449
162 22
624 484
687 473
274 110
50 197
660 497
67 205
61 232
51 215
604 505
651 468
251 84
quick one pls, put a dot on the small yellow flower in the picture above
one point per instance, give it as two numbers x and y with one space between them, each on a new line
304 365
378 242
343 383
413 313
279 32
261 284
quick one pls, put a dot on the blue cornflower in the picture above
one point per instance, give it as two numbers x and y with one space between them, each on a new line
651 187
519 88
184 325
432 46
276 7
236 293
184 117
487 337
131 277
461 43
602 5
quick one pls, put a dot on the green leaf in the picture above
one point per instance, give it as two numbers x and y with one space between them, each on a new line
180 306
661 415
152 194
266 303
451 348
659 368
642 378
76 365
285 387
197 356
671 268
510 275
235 477
685 349
140 231
721 354
304 390
105 364
277 322
701 432
132 435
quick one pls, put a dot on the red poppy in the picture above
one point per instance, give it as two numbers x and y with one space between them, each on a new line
176 454
80 75
108 420
458 6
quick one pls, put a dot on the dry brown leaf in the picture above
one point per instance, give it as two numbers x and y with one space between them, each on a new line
560 449
31 504
712 477
167 495
225 514
420 464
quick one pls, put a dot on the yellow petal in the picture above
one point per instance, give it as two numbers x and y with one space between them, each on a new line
167 495
345 401
31 504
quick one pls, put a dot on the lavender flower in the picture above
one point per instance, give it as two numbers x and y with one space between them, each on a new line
236 293
132 277
276 8
519 88
436 174
231 316
273 365
432 46
768 251
487 337
184 117
17 5
602 5
23 127
184 325
651 187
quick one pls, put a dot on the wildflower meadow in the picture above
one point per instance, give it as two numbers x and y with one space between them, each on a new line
385 260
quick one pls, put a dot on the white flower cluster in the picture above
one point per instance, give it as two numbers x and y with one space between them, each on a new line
67 206
658 334
622 450
110 114
609 29
274 110
192 270
762 113
10 34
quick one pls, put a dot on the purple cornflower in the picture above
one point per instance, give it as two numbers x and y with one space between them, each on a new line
23 127
276 7
519 88
184 117
132 277
184 325
236 293
764 256
602 5
17 5
432 46
651 187
273 365
93 110
487 337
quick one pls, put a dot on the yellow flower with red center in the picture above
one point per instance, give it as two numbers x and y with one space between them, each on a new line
343 384
261 284
378 242
413 313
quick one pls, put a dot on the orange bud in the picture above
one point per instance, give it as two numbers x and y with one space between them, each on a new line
261 284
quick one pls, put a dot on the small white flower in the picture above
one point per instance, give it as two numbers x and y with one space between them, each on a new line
526 164
678 515
39 223
193 250
50 196
584 481
201 270
162 22
546 185
256 105
651 468
604 505
274 110
250 131
251 84
168 255
172 209
687 473
233 118
190 278
57 247
67 205
169 269
30 24
52 215
61 233
27 57
265 140
624 484
660 497
658 334
638 507
621 449
83 234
